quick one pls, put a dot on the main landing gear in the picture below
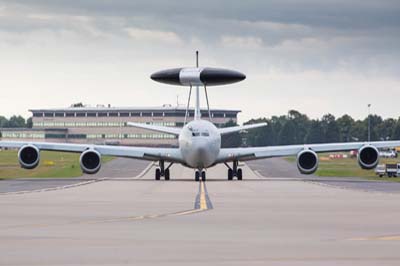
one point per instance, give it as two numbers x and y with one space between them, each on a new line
234 171
199 174
161 171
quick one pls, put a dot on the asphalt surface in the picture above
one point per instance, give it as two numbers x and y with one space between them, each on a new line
281 168
117 168
257 221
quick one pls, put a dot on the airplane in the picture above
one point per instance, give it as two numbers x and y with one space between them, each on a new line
199 140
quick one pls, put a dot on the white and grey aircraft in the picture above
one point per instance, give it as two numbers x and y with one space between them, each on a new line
199 140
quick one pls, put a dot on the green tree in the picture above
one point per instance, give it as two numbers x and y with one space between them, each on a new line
16 121
396 130
231 140
330 128
315 132
262 136
287 134
345 124
3 121
29 123
301 124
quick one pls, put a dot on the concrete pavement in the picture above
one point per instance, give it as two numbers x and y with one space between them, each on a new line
256 221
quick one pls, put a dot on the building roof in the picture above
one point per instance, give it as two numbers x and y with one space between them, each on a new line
163 108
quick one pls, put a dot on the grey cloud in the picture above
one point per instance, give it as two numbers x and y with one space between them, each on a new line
309 34
332 13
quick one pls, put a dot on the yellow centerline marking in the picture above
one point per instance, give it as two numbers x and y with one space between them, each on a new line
203 206
383 238
203 202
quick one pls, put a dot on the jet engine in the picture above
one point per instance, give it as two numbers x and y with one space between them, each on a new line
28 156
307 162
90 161
368 157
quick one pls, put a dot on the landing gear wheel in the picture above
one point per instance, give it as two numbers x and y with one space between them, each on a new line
230 174
239 174
166 174
158 174
203 176
197 176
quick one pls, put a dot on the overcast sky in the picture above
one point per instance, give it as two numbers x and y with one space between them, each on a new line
311 55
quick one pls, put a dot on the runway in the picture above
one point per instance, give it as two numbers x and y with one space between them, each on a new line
256 221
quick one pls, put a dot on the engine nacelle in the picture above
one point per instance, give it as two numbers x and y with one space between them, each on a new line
368 157
307 162
28 156
90 161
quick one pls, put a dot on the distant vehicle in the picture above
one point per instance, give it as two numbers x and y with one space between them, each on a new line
391 170
353 153
388 154
380 170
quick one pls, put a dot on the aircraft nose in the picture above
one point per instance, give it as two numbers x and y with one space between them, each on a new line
202 155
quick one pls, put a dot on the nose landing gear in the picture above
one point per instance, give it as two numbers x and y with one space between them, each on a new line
199 174
162 171
234 171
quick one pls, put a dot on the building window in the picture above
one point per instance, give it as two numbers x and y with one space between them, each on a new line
77 136
49 114
69 124
123 114
48 124
135 114
114 114
91 114
91 124
58 124
54 136
59 114
37 124
218 114
38 114
22 135
80 114
102 114
80 124
69 114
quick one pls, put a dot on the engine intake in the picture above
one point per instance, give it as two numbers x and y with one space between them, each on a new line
307 162
368 157
90 161
28 156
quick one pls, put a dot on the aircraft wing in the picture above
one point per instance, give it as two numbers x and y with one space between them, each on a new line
227 130
254 153
169 130
143 153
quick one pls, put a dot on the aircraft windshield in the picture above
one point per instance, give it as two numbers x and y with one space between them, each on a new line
203 134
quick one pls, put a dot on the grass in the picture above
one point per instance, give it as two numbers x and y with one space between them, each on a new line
347 167
52 164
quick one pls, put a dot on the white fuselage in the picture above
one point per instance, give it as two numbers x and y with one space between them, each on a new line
199 143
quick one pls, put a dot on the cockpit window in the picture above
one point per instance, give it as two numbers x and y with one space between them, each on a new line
205 134
195 134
